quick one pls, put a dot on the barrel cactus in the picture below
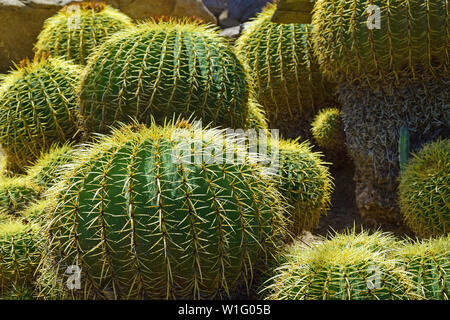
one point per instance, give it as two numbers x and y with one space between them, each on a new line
256 118
334 272
425 190
428 263
16 193
327 129
375 241
75 31
37 109
285 73
50 165
363 40
20 253
161 69
144 216
373 119
305 182
37 211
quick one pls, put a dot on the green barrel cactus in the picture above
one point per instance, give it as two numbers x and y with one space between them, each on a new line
37 109
147 213
373 118
327 129
50 165
428 263
16 193
305 182
363 40
37 212
75 31
162 69
334 272
20 253
424 190
285 73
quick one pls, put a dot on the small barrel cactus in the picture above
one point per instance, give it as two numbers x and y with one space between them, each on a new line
37 109
78 28
144 217
327 129
37 211
377 241
50 165
362 40
428 263
161 69
285 73
305 182
424 190
16 193
20 253
335 272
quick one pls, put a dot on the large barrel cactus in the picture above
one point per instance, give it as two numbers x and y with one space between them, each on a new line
162 69
363 40
428 265
425 190
373 118
37 109
78 28
144 217
330 271
285 73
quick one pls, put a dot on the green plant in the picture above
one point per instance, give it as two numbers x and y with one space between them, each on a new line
305 182
285 73
161 69
410 40
16 193
329 271
404 147
50 165
37 109
144 219
428 263
20 252
75 31
256 118
37 211
327 129
424 190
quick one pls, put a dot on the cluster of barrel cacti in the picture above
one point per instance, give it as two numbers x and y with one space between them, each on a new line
109 173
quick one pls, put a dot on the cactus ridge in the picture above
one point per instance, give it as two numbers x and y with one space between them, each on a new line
285 73
163 69
413 39
75 31
16 193
140 225
37 109
424 190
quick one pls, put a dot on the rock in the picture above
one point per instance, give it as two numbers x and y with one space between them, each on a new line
232 32
216 6
22 20
243 10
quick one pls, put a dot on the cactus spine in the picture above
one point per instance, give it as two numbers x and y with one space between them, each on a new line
161 69
37 109
75 31
287 80
143 222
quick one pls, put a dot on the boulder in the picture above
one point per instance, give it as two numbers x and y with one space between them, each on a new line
22 20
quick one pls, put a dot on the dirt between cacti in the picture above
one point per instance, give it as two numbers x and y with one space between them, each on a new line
343 213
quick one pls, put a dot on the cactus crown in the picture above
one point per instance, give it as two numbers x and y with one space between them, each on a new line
162 225
424 190
78 28
37 109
